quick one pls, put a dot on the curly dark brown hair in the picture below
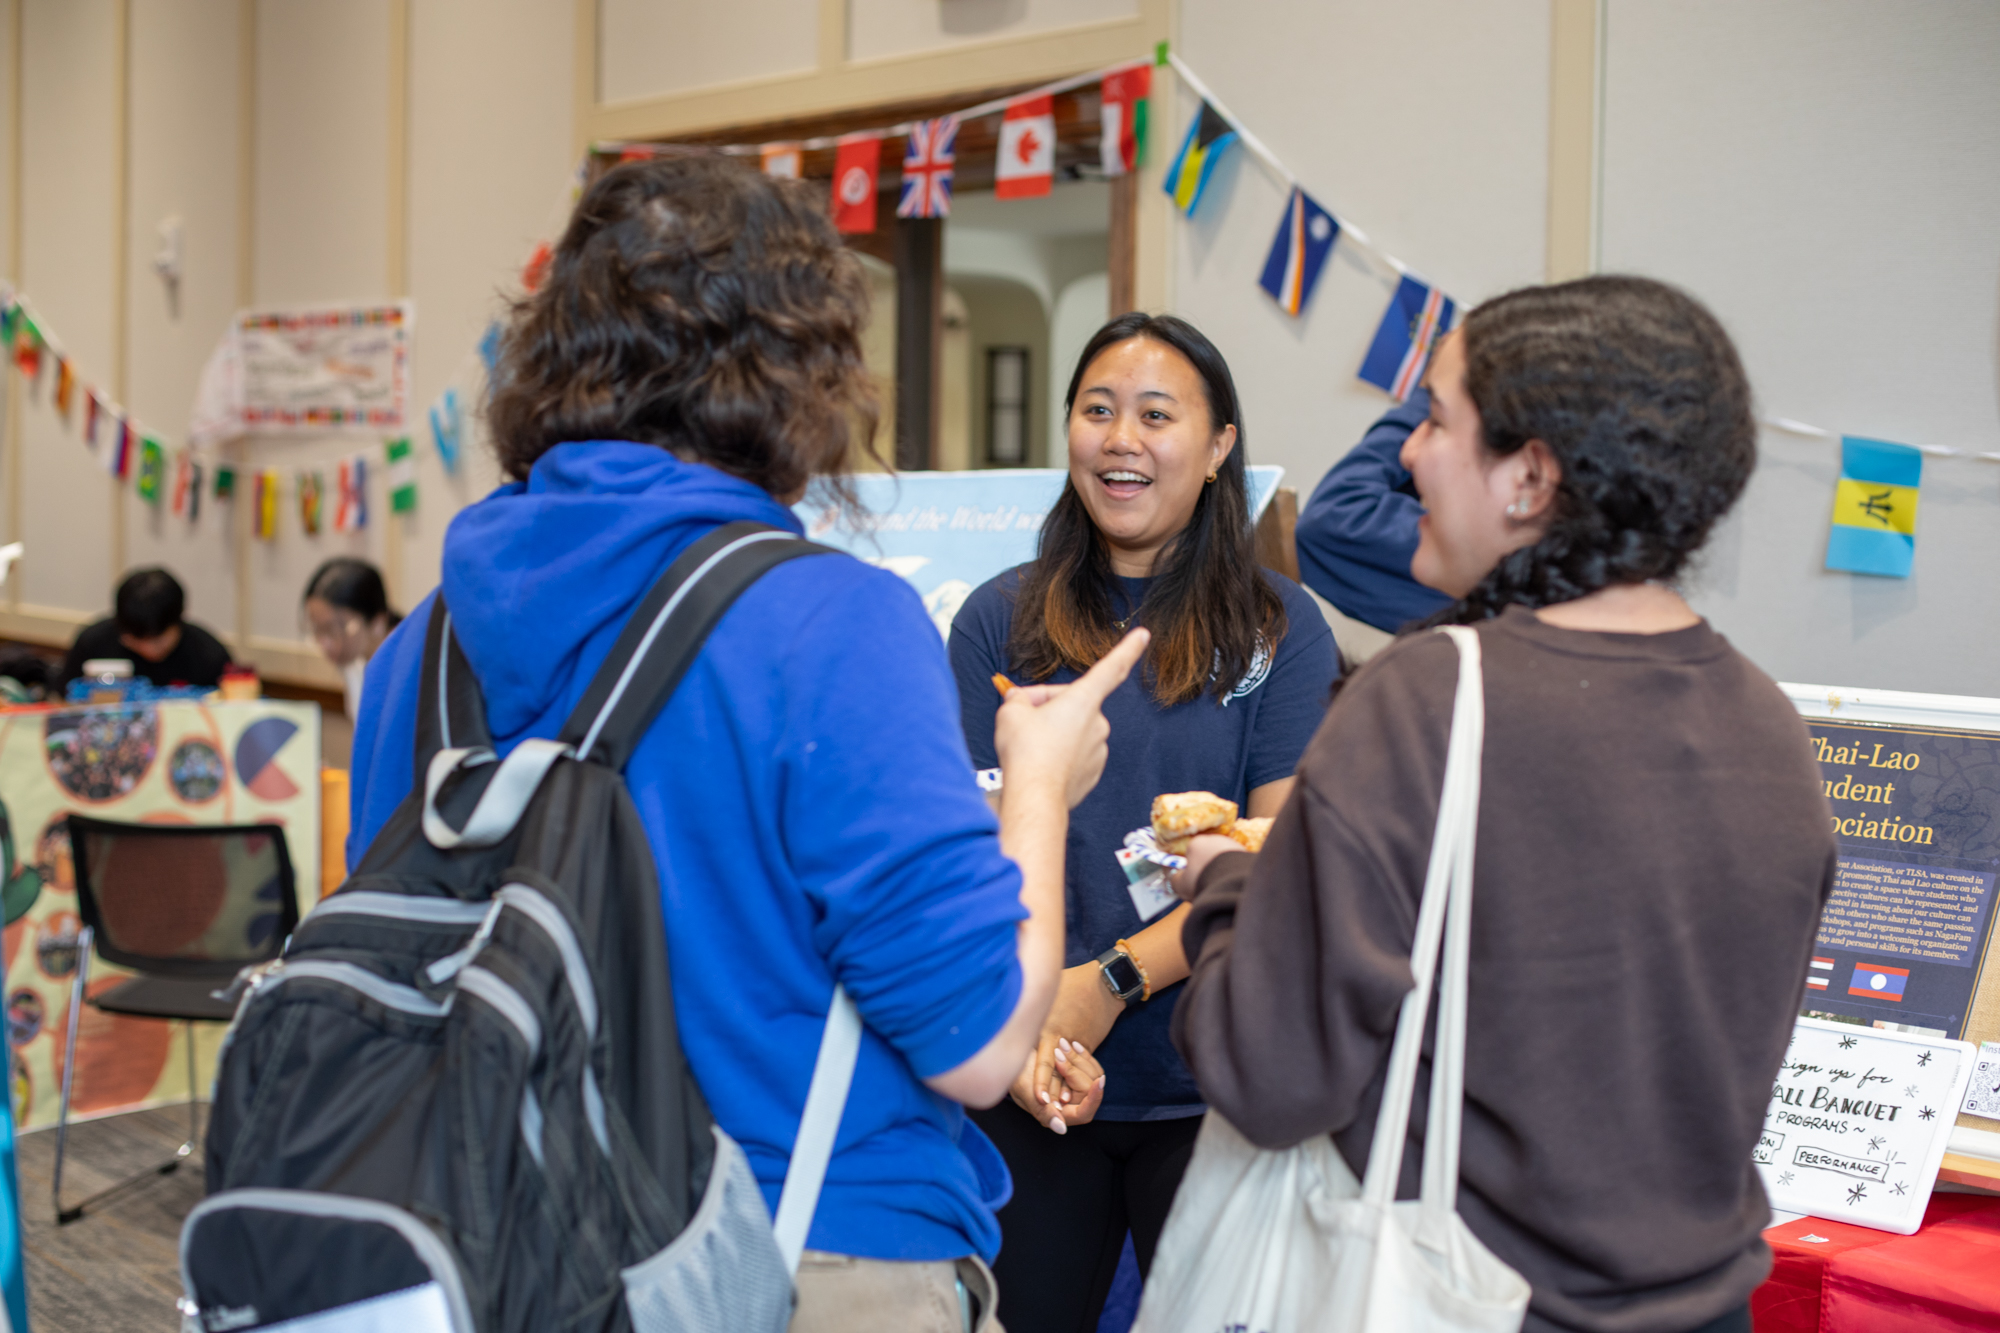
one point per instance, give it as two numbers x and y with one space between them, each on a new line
1639 393
695 304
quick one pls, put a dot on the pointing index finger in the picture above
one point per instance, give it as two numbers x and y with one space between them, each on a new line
1096 684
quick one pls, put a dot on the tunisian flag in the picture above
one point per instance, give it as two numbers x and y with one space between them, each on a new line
855 164
1027 149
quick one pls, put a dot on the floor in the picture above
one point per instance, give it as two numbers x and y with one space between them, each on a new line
116 1268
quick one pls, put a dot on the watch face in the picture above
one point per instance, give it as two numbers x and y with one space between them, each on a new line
1124 975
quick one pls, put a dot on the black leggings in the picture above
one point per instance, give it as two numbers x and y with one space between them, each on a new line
1075 1196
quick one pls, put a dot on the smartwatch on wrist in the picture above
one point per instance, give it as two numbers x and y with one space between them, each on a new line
1122 976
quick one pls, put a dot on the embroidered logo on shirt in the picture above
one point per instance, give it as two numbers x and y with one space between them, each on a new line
1260 667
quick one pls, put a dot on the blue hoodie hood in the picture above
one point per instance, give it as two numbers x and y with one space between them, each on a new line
570 552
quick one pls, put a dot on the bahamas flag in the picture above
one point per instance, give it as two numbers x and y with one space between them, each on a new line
1298 253
1875 508
1207 140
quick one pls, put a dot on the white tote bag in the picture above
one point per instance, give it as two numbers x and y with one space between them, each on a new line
1289 1242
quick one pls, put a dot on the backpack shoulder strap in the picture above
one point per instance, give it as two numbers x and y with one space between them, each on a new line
451 710
667 630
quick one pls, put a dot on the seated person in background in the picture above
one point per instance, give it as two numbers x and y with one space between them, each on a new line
146 630
1358 531
348 609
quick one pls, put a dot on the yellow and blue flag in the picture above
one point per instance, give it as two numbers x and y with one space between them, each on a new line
1875 508
1305 238
1207 140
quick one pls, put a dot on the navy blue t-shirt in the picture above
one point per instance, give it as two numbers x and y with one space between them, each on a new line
1254 737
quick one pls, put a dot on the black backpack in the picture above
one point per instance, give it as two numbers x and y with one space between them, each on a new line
458 1102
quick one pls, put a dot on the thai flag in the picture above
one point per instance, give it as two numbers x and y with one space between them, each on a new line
1417 316
1298 252
927 167
1876 982
1817 978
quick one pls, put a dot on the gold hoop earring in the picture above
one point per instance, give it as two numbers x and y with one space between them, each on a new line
1211 476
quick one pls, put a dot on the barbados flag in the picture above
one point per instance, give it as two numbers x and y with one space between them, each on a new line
1875 508
1418 315
1876 982
1298 253
1207 140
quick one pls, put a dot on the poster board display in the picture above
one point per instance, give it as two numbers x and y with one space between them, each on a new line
948 532
177 762
1858 1123
1907 942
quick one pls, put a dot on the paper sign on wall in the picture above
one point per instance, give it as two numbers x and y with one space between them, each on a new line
335 368
1857 1123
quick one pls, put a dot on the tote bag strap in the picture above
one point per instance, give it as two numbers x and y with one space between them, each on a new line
1447 891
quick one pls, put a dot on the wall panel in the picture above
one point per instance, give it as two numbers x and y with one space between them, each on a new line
322 235
69 187
491 174
648 49
183 165
1833 193
879 28
1427 122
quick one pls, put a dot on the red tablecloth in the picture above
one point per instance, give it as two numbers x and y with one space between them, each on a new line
1945 1277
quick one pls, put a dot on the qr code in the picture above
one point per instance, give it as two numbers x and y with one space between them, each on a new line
1983 1096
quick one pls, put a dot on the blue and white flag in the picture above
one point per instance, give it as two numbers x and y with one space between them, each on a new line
447 426
1305 238
1418 315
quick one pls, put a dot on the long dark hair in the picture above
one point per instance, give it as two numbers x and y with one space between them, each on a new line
1637 390
352 585
1208 606
699 305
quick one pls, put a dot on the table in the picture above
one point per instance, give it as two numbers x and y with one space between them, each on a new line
1858 1280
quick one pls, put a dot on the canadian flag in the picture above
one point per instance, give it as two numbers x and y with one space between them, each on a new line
1027 149
855 165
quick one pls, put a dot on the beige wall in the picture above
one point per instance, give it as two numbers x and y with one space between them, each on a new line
185 117
879 28
313 152
646 48
69 242
1836 202
1426 122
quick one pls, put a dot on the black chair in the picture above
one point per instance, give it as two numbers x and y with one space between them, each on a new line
186 907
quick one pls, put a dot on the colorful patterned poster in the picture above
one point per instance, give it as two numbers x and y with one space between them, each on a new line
182 762
342 368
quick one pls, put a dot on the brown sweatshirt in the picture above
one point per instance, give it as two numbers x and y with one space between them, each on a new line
1653 851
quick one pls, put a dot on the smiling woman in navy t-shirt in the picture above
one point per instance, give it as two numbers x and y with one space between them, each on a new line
1152 529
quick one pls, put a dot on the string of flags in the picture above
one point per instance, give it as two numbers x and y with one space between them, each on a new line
1875 502
177 477
1024 167
1874 525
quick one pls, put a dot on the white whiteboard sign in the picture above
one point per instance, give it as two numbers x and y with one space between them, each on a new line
1857 1123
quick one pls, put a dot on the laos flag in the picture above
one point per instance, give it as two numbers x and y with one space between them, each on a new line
1876 982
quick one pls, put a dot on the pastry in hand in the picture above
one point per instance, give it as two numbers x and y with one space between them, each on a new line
1179 816
1250 832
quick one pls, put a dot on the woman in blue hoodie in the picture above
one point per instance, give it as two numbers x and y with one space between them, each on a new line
694 359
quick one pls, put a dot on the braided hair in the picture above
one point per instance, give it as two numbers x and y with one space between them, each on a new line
1638 392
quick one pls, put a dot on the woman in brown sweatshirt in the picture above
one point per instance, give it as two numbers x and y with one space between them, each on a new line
1653 845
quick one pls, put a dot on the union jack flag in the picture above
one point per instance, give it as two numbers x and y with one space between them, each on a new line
927 164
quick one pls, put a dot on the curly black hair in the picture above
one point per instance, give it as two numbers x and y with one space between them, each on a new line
699 305
1637 390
